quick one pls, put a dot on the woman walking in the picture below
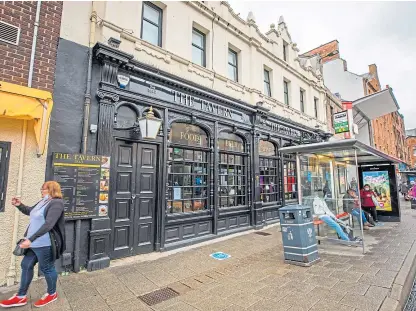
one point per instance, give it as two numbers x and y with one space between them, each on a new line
367 203
44 242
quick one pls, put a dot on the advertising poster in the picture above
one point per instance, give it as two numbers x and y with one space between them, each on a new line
85 181
379 181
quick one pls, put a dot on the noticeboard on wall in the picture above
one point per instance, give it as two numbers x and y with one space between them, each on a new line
85 183
341 124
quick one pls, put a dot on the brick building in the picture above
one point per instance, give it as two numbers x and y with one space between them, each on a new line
29 33
411 147
387 132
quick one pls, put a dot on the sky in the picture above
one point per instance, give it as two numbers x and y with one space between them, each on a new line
381 33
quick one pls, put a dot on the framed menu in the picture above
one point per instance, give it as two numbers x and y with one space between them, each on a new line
85 184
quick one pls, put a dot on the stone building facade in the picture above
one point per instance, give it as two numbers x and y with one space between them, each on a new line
27 71
228 97
411 145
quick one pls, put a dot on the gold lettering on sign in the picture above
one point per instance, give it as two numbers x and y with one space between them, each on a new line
191 137
62 156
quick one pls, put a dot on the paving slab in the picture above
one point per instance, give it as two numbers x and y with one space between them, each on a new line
254 278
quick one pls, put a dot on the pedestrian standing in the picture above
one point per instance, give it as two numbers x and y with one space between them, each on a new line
404 189
367 201
44 242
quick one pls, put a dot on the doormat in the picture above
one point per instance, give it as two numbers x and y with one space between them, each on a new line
158 296
220 256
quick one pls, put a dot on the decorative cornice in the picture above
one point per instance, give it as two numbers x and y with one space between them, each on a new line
143 46
106 95
202 72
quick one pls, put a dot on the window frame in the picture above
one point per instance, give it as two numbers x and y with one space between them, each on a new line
331 112
315 106
203 49
230 50
4 171
276 158
244 156
414 151
160 22
286 92
285 45
302 100
205 151
267 82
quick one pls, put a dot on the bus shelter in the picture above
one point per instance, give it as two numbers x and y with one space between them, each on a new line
330 176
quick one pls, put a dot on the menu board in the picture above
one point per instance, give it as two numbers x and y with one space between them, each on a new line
85 183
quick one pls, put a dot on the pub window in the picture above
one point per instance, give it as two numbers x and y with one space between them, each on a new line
232 171
232 65
269 172
4 168
286 91
315 106
302 100
289 175
267 88
188 169
198 48
152 24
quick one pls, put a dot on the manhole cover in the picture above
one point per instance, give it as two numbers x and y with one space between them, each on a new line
159 296
262 233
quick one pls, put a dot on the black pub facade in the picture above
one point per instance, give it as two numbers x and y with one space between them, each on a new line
214 168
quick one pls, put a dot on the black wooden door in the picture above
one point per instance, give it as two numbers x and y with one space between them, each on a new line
134 198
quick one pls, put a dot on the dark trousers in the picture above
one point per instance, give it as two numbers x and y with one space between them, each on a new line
372 211
44 256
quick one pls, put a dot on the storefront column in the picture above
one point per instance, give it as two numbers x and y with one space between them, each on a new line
99 243
214 183
258 219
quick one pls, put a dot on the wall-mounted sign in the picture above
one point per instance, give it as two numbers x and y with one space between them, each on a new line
123 81
191 101
85 182
341 124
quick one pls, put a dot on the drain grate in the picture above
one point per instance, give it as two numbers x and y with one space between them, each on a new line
159 296
262 233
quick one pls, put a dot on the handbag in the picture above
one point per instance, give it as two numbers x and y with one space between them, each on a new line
376 204
18 251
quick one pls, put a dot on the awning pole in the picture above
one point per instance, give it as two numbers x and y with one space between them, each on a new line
359 198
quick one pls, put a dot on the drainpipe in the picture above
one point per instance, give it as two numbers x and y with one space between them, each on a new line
87 104
11 275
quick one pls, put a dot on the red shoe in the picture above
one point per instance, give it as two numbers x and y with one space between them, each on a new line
46 299
14 302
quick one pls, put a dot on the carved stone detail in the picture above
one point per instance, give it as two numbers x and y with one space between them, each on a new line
107 95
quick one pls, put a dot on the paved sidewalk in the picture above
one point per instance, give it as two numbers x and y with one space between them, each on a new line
254 278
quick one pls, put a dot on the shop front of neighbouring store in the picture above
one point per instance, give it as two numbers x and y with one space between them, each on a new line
212 169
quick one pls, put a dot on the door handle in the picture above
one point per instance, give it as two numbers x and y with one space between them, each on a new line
133 197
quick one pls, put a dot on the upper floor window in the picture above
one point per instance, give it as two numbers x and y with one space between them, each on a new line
198 48
302 100
286 91
315 106
267 88
152 24
232 65
414 151
285 50
331 111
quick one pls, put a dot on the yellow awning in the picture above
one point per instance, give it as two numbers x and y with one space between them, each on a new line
25 103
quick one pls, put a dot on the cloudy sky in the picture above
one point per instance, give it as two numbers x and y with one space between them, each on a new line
383 33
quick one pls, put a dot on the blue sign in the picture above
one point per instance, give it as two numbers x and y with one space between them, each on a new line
309 176
220 256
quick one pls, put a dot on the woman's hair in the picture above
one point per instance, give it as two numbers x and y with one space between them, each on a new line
54 189
367 185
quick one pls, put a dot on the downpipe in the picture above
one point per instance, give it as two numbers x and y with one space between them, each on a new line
84 147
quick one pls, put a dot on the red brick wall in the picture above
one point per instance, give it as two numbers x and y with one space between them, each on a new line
411 144
15 60
324 50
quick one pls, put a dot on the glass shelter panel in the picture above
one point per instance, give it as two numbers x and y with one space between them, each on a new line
327 186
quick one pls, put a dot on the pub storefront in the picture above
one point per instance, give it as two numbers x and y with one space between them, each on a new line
213 169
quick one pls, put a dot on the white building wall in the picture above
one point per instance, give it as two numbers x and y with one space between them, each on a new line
223 29
349 85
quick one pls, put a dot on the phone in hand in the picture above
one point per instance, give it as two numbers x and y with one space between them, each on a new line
16 201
